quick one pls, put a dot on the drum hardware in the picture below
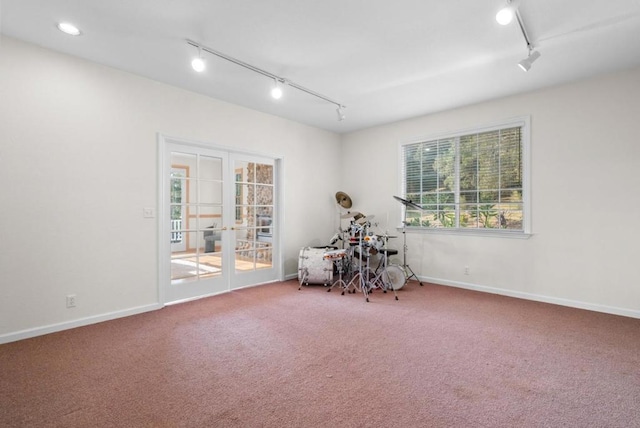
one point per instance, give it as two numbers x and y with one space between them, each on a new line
359 281
385 277
336 237
338 258
405 266
365 279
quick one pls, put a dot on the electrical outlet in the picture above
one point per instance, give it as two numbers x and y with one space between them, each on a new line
71 300
466 270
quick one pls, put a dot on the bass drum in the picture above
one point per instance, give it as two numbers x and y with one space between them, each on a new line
313 268
394 277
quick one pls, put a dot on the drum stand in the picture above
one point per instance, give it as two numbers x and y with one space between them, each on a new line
359 278
366 277
379 278
340 266
381 270
303 277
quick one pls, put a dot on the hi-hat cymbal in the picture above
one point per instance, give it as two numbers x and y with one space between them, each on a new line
343 200
351 214
408 203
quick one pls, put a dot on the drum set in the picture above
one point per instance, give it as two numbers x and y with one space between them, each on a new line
360 264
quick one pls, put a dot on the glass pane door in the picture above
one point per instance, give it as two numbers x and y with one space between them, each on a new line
219 224
197 224
254 220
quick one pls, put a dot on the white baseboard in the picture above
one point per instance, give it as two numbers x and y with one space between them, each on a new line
536 297
39 331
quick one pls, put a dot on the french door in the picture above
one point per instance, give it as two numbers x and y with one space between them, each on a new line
218 222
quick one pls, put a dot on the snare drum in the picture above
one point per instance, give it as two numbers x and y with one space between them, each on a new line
313 268
334 255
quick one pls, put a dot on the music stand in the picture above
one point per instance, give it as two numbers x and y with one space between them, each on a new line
405 266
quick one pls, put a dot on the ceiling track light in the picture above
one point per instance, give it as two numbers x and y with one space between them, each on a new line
506 15
525 64
277 79
198 63
341 115
276 92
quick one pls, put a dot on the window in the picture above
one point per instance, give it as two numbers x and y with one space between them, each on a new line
474 180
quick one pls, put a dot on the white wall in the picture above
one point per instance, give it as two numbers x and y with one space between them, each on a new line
585 182
78 163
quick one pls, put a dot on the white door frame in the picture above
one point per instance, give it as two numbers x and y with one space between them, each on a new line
164 245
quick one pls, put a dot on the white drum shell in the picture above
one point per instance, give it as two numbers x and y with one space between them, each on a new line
312 268
394 276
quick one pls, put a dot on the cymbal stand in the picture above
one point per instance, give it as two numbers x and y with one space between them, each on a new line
380 275
359 278
405 266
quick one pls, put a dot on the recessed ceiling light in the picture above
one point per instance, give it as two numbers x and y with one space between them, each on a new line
69 28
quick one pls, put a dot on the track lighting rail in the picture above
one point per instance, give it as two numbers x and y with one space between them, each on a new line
264 73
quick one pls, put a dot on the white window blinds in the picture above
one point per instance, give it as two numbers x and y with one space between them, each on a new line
469 181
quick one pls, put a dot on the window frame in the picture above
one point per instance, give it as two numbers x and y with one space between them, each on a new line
524 122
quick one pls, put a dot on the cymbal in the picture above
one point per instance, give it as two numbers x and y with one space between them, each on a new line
343 200
408 203
351 214
361 219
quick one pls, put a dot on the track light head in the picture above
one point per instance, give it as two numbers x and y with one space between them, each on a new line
507 13
341 115
198 63
276 92
525 64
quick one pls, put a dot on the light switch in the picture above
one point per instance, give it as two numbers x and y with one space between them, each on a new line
148 213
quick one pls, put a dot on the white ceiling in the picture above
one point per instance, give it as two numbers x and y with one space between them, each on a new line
384 60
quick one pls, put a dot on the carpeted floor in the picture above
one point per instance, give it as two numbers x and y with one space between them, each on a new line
273 356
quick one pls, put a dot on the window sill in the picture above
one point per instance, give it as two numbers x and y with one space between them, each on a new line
492 233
